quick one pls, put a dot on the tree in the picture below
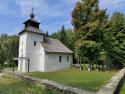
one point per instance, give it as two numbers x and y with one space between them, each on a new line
118 26
67 36
55 35
63 36
88 20
113 47
89 24
8 49
117 45
13 43
70 39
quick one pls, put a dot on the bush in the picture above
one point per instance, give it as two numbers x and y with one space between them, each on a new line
1 68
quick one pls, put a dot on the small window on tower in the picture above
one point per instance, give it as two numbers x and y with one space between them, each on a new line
34 43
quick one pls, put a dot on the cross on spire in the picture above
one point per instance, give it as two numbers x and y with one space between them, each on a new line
32 14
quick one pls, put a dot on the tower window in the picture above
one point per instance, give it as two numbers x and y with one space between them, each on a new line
60 58
34 43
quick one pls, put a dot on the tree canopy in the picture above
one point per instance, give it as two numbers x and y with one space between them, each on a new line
8 48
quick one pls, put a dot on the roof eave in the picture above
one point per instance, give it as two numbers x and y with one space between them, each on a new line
59 52
30 32
32 21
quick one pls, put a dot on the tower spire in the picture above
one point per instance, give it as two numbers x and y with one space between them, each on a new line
32 14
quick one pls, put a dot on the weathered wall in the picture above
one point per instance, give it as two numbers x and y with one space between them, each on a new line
52 61
114 85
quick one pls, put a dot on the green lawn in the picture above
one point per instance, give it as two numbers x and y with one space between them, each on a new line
91 81
10 85
123 89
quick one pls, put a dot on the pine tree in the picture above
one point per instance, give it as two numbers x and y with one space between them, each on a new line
63 37
116 47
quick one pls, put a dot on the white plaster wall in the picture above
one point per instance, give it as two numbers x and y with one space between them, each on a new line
52 61
33 52
42 59
22 50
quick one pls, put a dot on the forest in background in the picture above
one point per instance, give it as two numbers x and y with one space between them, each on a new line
96 38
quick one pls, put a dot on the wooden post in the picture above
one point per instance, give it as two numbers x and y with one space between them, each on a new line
28 65
13 67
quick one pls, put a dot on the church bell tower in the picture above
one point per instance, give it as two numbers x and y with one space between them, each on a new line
32 22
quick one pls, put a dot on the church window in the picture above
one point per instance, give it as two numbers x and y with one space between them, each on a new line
34 43
60 58
67 58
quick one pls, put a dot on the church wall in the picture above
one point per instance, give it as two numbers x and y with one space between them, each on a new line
52 62
22 45
33 51
42 59
22 51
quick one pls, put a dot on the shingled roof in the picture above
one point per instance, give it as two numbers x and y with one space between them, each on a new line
54 45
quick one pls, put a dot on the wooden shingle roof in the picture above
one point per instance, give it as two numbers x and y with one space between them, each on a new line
54 45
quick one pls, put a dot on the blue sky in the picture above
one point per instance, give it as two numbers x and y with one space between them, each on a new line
51 13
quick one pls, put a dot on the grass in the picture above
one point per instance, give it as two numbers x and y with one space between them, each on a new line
123 89
10 69
10 85
85 80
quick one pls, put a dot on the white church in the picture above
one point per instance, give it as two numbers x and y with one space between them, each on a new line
40 53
